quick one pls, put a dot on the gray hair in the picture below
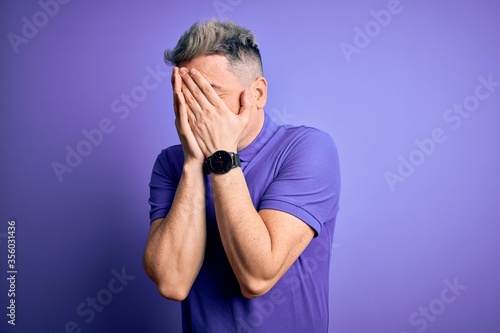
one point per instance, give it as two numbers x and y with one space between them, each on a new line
226 38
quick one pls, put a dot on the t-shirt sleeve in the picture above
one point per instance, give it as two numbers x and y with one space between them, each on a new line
307 184
163 185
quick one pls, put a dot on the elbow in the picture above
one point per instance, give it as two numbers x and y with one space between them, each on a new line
253 288
168 289
172 290
257 283
177 294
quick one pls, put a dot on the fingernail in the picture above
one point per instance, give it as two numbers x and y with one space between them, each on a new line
183 71
192 71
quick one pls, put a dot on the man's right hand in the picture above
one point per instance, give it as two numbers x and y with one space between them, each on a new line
192 152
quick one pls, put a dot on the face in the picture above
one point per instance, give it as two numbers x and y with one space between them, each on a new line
225 83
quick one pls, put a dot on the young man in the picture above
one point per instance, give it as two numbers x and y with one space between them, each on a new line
243 211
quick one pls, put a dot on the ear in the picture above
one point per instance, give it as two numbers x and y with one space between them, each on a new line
258 90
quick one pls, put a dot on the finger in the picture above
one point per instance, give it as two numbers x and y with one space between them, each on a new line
184 112
183 115
200 88
191 123
179 100
176 80
182 104
194 108
205 86
172 78
246 104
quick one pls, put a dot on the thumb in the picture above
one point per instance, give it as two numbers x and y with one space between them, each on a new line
245 104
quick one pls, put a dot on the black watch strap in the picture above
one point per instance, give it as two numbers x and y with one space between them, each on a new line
236 160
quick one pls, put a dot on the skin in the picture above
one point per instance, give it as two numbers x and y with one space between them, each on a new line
215 111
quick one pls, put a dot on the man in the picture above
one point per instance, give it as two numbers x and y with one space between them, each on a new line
243 211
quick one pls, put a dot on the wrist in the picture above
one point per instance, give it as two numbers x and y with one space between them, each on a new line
193 167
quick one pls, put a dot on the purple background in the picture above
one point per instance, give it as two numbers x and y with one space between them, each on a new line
394 247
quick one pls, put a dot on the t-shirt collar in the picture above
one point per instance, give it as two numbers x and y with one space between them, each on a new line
267 131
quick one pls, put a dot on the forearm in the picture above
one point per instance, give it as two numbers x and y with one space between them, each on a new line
246 238
175 249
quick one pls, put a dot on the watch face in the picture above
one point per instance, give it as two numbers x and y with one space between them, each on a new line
221 162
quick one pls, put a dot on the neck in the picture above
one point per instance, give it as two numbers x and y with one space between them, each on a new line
253 129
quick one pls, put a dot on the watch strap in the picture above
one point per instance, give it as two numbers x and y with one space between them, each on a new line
236 160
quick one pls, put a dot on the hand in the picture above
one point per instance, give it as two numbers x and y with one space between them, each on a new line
213 124
192 152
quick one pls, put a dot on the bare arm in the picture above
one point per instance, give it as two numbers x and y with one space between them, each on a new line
261 246
176 244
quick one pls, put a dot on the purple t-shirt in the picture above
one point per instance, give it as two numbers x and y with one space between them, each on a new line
287 168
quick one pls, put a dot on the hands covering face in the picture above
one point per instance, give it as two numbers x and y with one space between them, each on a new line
204 122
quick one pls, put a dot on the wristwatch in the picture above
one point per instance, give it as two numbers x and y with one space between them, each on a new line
221 162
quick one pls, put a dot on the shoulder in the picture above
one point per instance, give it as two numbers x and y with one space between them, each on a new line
307 140
171 153
311 154
169 159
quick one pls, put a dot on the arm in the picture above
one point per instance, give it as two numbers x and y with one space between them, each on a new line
176 244
260 246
